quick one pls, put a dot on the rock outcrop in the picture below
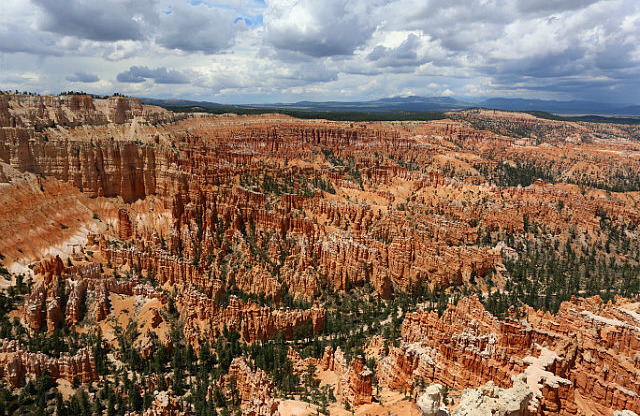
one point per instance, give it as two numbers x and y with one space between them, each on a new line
358 388
205 320
43 307
74 311
254 388
164 404
490 400
387 224
286 212
354 379
125 229
429 401
34 312
16 363
39 112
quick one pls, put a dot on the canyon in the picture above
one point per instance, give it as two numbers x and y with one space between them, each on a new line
273 265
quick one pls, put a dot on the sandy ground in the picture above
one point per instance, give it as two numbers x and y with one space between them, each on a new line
295 408
65 388
327 378
133 308
390 402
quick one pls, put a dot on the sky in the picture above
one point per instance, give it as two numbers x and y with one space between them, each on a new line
265 51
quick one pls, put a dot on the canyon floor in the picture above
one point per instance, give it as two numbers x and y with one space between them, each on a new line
159 263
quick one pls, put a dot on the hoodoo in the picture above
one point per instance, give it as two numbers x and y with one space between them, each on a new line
160 263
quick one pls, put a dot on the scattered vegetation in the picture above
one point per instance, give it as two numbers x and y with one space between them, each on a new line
313 114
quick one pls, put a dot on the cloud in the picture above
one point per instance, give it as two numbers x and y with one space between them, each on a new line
546 7
96 20
81 76
235 75
16 35
18 42
138 74
187 26
319 28
404 54
198 28
326 49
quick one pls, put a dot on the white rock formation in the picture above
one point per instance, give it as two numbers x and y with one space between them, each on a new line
490 400
429 402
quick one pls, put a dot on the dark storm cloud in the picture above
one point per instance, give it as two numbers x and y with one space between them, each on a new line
95 20
82 77
544 7
137 74
186 26
16 36
549 65
580 88
16 41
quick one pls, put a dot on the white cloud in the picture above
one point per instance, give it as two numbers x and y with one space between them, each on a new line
198 28
319 28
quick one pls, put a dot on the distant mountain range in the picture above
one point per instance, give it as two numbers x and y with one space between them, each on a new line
422 104
561 107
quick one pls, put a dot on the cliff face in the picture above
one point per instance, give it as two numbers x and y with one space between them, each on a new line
39 112
94 162
37 214
338 243
305 203
98 169
42 306
125 228
467 347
